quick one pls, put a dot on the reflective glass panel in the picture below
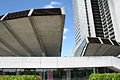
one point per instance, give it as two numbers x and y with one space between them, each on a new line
9 72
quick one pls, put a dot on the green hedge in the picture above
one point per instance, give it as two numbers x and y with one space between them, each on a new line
20 77
105 76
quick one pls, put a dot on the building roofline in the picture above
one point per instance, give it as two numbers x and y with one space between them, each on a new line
35 12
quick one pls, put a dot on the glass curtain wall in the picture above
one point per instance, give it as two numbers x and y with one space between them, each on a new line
57 74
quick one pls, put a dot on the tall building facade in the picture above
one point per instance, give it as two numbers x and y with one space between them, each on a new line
31 43
96 18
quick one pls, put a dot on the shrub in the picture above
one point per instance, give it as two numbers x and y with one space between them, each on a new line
20 77
105 76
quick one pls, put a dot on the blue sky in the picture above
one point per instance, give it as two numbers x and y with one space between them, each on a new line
8 6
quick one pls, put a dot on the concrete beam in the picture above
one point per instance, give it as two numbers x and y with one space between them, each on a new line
5 52
8 27
8 46
60 62
36 33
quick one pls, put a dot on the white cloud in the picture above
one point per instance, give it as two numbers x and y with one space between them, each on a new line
55 3
48 6
64 37
65 30
52 3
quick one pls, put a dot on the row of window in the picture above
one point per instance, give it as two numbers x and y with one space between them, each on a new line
106 19
57 74
87 17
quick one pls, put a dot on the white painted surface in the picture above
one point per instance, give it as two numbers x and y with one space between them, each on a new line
59 62
114 6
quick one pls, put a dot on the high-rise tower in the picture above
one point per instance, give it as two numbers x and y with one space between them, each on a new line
96 18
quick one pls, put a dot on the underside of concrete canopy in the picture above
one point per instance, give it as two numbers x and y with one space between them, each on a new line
35 32
96 46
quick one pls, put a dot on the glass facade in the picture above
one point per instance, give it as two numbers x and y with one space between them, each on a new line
57 74
80 49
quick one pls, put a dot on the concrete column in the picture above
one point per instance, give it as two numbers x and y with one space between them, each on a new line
17 72
48 75
41 75
68 73
94 70
51 75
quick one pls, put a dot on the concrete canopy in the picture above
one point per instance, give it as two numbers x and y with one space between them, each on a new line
96 46
35 32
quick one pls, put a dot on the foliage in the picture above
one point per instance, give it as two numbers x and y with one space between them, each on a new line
105 76
20 77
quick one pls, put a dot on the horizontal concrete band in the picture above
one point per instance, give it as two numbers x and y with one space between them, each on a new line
59 62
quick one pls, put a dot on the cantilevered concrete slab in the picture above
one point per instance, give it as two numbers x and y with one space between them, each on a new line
35 32
93 46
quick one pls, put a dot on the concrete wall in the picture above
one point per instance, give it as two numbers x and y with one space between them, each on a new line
59 62
114 10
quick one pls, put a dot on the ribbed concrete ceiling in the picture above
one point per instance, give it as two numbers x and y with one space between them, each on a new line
93 46
35 32
102 47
